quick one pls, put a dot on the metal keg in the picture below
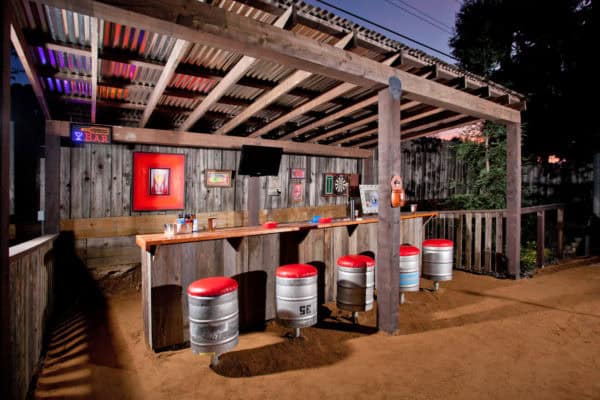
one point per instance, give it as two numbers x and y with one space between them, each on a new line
409 268
213 314
438 255
355 283
296 293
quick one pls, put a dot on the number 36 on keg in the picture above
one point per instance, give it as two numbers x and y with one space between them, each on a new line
305 309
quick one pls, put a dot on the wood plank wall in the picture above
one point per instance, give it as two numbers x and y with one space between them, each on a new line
96 184
32 300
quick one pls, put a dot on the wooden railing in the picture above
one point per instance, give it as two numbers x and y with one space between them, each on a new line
479 236
31 294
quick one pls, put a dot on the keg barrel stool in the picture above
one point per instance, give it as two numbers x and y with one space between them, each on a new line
437 260
409 270
213 315
296 295
355 284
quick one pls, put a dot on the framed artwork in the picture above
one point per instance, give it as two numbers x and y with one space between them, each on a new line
298 192
335 184
273 186
218 177
369 198
328 184
158 181
297 173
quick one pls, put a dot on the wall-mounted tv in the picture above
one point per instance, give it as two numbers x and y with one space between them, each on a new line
260 160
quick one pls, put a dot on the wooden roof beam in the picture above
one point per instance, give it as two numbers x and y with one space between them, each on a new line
355 124
232 77
282 88
219 28
456 124
188 139
359 135
16 37
350 109
94 58
179 49
322 99
434 124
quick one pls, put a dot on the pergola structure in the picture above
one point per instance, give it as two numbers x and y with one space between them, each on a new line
227 73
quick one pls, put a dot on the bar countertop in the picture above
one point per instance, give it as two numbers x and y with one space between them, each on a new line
155 239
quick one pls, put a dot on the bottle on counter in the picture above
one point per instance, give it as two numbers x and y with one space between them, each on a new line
195 227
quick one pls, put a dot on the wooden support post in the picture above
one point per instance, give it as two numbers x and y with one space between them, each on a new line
253 199
5 350
52 183
388 229
560 227
513 198
540 244
368 177
596 205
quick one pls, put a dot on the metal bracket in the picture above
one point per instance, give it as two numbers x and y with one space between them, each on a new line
395 87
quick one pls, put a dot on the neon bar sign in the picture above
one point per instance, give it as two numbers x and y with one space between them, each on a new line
91 134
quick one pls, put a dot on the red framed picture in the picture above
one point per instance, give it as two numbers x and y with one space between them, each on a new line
158 181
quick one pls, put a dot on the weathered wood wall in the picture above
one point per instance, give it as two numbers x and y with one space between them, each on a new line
96 188
31 277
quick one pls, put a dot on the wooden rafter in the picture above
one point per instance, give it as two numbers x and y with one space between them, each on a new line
448 125
267 98
361 122
322 99
348 110
94 58
355 124
352 138
16 37
232 77
178 51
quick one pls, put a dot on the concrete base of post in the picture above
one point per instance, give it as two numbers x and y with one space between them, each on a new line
436 286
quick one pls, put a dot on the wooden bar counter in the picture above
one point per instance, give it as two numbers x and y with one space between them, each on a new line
250 255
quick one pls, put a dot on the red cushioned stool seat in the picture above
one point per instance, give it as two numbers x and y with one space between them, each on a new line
408 250
352 261
369 261
438 243
296 271
212 287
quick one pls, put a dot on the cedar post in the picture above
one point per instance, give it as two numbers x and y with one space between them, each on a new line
388 228
253 199
5 351
513 198
560 227
541 231
52 183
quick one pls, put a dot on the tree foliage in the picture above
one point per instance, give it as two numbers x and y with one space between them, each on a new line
484 157
543 50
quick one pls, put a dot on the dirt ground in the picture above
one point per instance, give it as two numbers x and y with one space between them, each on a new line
478 337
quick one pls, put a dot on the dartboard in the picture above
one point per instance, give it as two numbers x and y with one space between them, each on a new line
341 185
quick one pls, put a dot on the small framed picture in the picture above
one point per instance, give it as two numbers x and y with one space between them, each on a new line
297 173
298 192
159 181
328 184
369 198
218 177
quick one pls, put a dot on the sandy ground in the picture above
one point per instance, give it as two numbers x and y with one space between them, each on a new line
478 337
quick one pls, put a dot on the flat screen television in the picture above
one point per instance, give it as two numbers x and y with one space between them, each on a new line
260 160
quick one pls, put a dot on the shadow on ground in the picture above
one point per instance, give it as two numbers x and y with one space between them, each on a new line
81 337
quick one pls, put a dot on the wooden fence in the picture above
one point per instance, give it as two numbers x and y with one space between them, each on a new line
479 236
31 294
